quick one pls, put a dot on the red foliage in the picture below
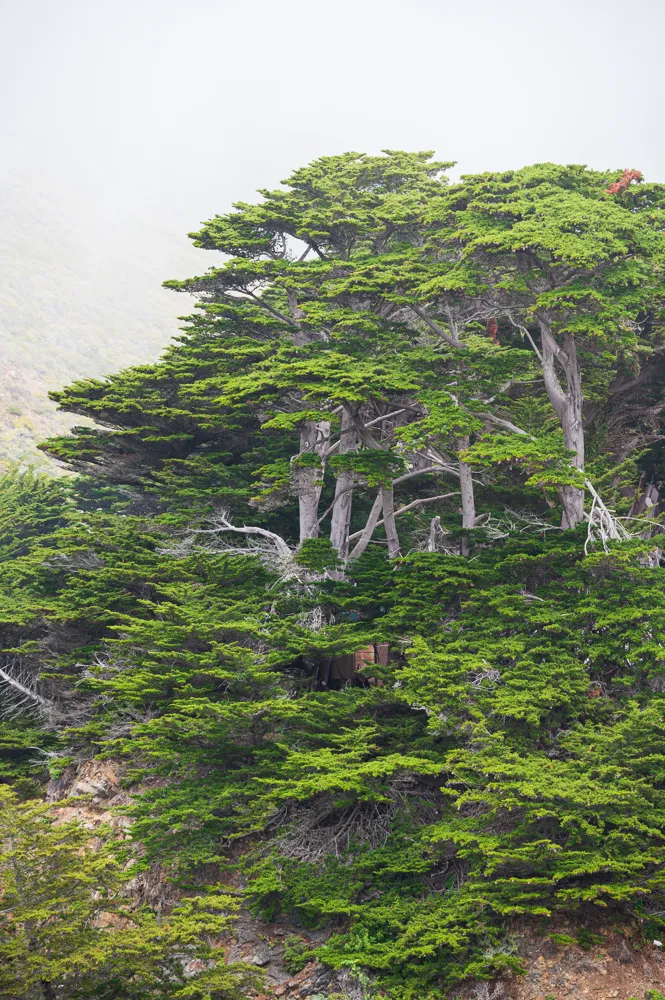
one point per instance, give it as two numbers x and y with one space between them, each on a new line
626 179
492 331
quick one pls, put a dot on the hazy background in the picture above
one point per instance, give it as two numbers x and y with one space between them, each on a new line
124 123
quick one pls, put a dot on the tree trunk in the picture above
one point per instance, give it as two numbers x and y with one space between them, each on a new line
572 497
468 498
47 990
568 406
370 525
389 525
646 505
434 530
573 434
314 439
343 501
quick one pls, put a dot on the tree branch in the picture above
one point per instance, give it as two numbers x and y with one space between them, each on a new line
368 530
265 305
553 386
409 506
224 525
371 423
525 333
505 423
452 340
23 693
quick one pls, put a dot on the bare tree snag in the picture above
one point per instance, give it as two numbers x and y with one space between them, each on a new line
343 501
389 525
568 405
314 438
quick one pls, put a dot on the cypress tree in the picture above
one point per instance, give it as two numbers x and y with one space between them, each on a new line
406 415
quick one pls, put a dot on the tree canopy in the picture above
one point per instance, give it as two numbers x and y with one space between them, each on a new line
408 417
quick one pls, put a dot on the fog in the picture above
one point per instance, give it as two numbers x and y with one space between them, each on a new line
160 113
127 122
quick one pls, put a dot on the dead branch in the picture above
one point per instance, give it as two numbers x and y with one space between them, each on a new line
221 524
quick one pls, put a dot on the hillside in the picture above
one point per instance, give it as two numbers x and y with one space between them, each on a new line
339 672
80 296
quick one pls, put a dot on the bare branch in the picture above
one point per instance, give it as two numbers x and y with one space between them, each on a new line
373 422
222 523
505 423
409 506
23 697
603 525
525 333
265 305
452 340
29 694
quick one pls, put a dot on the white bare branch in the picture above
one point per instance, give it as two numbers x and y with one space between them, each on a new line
221 524
603 526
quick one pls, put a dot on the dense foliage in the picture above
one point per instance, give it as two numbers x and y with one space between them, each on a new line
407 415
65 922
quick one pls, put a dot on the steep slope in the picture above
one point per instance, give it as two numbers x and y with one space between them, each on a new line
80 296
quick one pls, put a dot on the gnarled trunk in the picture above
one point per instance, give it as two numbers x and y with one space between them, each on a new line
389 525
314 438
568 405
343 500
467 495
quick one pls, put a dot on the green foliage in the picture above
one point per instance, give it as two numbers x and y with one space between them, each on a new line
167 609
297 954
586 940
67 929
30 505
318 555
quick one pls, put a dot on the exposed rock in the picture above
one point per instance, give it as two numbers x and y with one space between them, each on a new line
260 955
619 967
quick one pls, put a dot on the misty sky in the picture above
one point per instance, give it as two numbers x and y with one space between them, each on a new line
137 119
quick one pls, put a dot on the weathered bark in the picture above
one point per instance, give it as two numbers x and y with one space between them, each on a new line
467 494
434 531
222 524
646 501
314 437
370 525
388 502
343 500
568 405
384 501
646 505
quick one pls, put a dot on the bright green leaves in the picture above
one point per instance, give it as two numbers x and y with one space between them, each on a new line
444 417
544 459
318 555
376 468
557 211
337 206
67 923
583 813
